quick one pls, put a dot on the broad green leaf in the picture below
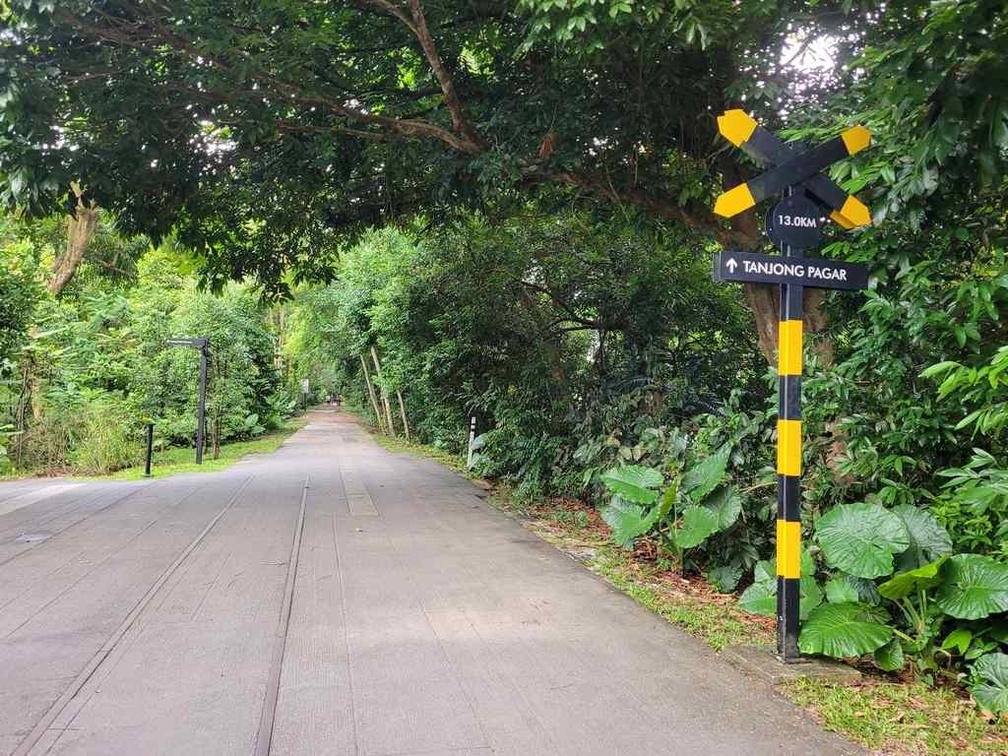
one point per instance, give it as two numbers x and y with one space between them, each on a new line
726 504
890 656
941 367
701 479
905 583
928 539
861 539
810 595
805 561
992 690
959 639
626 521
698 523
634 483
840 591
658 513
760 598
842 631
725 577
867 589
765 570
975 586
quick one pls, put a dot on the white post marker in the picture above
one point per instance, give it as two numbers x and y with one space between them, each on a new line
472 437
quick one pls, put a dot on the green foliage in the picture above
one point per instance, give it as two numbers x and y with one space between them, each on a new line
861 539
694 505
634 483
973 504
839 590
105 443
990 687
906 583
907 616
581 340
974 587
843 630
20 290
697 524
761 596
89 370
981 387
890 657
928 539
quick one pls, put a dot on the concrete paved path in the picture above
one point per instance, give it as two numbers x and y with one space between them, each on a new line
336 599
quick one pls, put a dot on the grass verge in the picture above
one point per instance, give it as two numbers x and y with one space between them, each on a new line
901 718
889 716
399 445
177 459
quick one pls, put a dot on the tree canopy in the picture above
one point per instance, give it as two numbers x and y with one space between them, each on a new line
260 131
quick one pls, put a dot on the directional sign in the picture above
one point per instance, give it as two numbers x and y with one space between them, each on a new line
745 267
793 225
791 167
199 343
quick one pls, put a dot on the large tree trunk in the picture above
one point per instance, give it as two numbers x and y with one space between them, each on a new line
81 227
764 300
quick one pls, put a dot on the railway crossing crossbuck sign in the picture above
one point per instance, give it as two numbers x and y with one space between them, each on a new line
794 224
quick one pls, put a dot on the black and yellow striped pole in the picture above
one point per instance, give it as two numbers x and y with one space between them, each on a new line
793 225
789 460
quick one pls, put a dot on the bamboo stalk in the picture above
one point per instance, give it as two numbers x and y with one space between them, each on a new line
402 413
384 393
371 392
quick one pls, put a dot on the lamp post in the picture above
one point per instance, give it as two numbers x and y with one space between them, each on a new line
203 344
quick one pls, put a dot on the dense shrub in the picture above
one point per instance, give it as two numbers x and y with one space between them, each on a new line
106 441
87 371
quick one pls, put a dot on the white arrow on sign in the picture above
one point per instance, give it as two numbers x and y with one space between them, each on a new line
731 264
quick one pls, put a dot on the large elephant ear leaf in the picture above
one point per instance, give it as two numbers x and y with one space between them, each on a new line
761 597
697 524
905 583
726 504
928 539
861 539
842 631
991 692
701 479
839 590
634 483
974 587
626 520
890 656
810 595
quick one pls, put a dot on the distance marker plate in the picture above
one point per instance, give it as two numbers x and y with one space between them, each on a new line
745 267
795 221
